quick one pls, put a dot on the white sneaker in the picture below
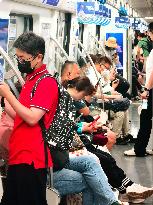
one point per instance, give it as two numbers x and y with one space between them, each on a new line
136 191
123 202
130 152
149 152
124 198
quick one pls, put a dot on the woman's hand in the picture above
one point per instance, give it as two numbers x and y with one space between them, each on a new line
4 89
88 128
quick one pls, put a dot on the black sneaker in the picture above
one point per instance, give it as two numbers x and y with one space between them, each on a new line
121 141
129 138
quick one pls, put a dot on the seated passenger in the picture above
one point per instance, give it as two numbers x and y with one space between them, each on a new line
96 180
116 176
119 120
75 88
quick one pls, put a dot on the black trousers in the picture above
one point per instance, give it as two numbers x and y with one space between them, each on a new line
135 86
25 186
145 128
116 176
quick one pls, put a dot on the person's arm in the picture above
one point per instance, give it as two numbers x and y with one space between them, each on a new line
85 111
148 86
139 47
29 115
33 114
9 110
138 52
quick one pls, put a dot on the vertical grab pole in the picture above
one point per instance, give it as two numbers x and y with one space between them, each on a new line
103 49
93 65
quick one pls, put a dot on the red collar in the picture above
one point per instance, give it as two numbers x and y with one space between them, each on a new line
36 72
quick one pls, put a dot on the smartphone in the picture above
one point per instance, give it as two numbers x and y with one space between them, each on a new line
95 120
1 73
97 83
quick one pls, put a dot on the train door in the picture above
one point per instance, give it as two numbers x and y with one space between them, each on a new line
62 36
19 24
67 28
98 32
81 31
80 37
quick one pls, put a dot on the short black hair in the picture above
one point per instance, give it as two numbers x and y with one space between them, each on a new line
64 66
142 35
150 27
30 43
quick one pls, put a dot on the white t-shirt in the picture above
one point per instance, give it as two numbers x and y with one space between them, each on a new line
149 65
93 78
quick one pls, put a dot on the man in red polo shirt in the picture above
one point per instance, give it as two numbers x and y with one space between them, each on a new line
27 174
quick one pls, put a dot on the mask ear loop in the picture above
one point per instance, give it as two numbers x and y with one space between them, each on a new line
34 57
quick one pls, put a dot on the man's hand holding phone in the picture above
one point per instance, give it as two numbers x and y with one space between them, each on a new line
115 83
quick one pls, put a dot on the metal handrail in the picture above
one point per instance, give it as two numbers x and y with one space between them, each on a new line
61 48
13 68
103 49
92 64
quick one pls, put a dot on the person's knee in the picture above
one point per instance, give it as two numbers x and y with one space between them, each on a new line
69 182
111 139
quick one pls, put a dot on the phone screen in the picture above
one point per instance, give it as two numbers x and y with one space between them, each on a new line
98 82
93 123
1 73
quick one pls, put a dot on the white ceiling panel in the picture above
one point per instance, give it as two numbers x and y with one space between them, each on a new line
143 7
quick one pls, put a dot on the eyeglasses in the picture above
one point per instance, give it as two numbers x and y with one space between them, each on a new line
20 60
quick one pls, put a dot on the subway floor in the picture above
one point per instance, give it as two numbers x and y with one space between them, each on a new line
140 170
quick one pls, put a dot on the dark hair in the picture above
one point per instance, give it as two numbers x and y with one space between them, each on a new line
142 35
30 43
80 84
105 59
94 58
98 55
150 27
64 66
81 62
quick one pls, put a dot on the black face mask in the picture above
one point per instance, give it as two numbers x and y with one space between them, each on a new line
25 67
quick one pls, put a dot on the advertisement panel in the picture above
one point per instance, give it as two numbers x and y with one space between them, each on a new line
3 36
93 13
119 49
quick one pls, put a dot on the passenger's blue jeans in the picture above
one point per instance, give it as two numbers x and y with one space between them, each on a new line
70 182
88 178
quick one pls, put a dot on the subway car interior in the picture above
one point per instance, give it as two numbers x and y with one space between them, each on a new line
76 78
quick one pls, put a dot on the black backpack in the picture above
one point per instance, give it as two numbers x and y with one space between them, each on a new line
62 129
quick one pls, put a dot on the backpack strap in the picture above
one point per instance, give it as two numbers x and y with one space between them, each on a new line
43 129
41 122
38 81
